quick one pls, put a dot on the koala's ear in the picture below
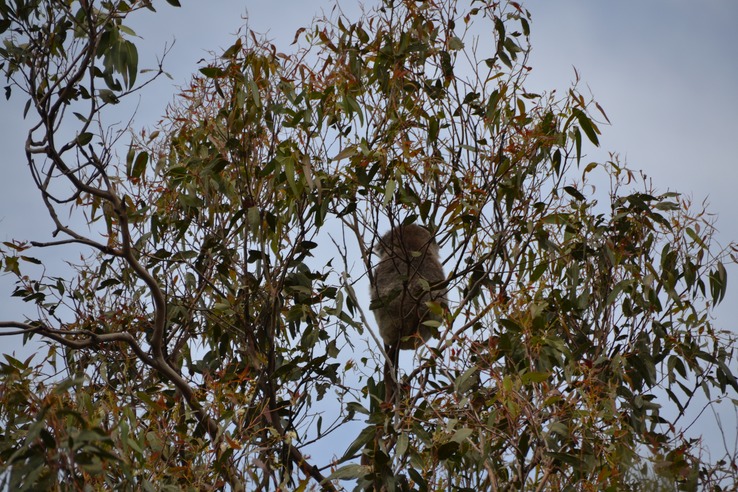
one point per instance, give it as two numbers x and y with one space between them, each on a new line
379 249
384 244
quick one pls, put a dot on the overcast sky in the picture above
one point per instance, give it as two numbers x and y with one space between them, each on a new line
665 71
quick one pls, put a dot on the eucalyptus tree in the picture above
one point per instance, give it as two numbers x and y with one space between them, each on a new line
215 332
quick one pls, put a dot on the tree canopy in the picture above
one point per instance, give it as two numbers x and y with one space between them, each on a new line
216 331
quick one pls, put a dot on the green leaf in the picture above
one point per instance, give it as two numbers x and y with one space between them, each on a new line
131 63
675 363
402 444
574 192
534 377
462 435
590 129
84 138
364 438
468 379
353 406
108 96
455 44
578 143
559 428
349 151
695 237
538 271
389 191
212 72
349 472
418 479
140 165
718 284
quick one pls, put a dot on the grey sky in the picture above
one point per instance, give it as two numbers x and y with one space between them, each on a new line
665 71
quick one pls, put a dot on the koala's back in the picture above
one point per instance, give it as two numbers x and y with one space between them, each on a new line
409 266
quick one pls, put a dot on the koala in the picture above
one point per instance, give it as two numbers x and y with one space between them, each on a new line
406 278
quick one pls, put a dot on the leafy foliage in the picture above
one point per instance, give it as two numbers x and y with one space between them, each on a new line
218 333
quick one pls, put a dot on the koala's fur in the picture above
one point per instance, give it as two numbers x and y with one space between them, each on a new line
406 278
